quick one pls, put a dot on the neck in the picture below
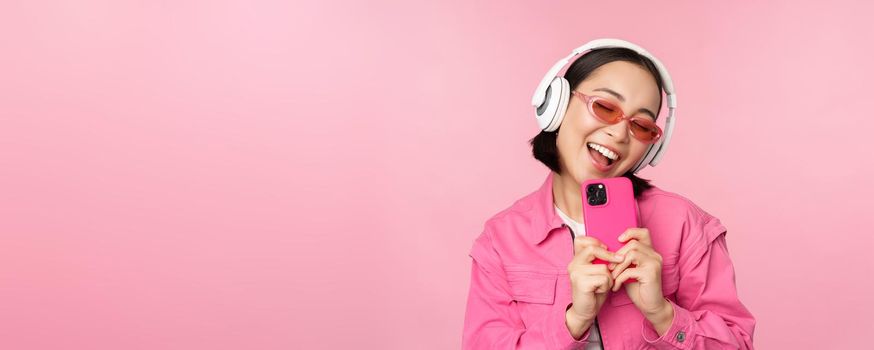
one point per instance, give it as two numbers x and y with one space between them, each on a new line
566 195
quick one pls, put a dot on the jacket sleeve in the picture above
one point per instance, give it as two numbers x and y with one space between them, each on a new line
492 319
707 311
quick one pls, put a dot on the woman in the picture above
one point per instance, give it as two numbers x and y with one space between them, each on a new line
533 283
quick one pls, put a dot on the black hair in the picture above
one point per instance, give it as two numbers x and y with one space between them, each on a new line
543 144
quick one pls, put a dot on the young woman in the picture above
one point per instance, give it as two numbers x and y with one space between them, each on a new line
533 283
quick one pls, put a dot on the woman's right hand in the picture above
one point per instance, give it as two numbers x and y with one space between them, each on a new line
590 283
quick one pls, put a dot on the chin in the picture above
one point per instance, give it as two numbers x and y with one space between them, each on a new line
591 173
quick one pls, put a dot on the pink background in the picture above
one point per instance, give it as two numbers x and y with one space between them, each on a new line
275 175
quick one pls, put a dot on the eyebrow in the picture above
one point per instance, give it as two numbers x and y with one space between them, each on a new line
622 99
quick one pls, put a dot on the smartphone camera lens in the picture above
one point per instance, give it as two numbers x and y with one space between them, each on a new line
596 194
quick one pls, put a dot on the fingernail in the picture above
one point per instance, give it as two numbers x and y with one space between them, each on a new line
619 257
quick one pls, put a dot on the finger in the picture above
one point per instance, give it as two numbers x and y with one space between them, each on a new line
635 245
589 253
639 233
594 278
594 269
584 271
602 275
605 283
581 242
635 257
598 284
631 245
625 276
629 259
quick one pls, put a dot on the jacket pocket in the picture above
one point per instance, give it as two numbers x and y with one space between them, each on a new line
532 284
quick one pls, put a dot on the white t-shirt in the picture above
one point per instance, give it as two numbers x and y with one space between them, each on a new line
580 229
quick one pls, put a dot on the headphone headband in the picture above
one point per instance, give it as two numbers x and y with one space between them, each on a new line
550 110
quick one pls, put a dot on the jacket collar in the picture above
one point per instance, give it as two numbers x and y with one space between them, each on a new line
546 219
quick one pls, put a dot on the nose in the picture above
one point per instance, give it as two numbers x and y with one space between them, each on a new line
618 131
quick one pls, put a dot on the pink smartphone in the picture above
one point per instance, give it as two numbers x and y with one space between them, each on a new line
609 208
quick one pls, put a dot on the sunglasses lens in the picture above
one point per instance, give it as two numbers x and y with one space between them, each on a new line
642 128
645 130
606 111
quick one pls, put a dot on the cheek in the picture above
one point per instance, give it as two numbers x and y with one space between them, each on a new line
570 146
568 135
636 153
565 145
587 124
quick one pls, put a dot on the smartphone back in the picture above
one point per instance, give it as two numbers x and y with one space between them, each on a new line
609 208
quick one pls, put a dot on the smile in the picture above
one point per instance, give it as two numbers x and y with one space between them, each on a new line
603 158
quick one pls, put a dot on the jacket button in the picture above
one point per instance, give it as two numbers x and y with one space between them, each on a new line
681 336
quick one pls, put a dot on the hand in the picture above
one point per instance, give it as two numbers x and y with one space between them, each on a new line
590 283
646 292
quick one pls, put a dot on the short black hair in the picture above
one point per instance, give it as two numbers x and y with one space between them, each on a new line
543 144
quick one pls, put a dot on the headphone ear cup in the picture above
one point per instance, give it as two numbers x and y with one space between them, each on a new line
551 112
564 99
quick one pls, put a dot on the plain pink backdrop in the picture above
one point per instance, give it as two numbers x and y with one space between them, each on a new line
274 175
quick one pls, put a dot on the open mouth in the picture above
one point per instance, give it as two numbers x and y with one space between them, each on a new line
602 155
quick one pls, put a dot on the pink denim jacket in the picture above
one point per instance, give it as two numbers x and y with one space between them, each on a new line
520 289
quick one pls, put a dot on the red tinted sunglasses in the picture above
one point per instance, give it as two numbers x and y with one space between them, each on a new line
641 128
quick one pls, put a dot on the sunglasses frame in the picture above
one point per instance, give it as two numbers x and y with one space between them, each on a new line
590 101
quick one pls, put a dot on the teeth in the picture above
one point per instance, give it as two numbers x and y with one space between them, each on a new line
606 152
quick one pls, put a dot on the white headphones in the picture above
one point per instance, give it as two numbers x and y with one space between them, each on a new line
551 98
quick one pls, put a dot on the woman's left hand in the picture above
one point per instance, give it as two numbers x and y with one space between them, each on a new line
646 293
